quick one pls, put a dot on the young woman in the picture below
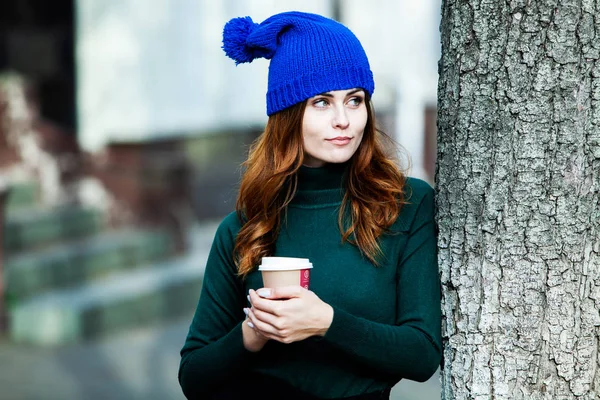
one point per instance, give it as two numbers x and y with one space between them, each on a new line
317 185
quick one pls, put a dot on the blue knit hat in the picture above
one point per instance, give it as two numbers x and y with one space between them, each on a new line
309 54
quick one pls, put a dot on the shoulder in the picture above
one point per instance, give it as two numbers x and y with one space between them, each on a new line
419 203
231 221
229 227
415 190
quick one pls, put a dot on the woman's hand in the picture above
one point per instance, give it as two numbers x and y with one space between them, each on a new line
253 340
288 314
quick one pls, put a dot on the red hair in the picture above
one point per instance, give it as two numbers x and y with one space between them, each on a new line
373 199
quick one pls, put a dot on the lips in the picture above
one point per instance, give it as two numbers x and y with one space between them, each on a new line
340 140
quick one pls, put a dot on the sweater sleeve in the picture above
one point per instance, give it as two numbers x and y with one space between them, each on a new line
213 352
412 347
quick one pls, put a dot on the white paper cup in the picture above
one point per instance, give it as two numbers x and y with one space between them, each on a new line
285 271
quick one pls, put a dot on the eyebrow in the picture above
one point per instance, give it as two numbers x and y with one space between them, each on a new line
328 94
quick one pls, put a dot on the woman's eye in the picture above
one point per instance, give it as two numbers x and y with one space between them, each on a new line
355 101
320 103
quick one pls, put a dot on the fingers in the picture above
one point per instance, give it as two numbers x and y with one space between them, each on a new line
284 292
280 314
251 325
263 328
265 305
264 317
263 298
261 313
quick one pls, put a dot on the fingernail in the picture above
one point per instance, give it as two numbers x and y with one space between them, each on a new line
264 292
250 324
246 311
248 297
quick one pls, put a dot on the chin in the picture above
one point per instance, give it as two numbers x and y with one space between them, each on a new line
339 159
328 158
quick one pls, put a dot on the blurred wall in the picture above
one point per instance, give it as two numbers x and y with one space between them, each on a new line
153 68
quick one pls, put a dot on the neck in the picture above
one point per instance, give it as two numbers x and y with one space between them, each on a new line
320 186
329 176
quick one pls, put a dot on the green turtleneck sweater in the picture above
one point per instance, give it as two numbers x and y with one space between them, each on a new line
386 322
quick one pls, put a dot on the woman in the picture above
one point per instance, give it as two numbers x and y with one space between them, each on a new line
317 185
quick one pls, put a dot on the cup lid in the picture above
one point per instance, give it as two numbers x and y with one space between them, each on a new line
284 264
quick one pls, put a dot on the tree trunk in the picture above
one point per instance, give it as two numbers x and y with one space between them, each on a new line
518 196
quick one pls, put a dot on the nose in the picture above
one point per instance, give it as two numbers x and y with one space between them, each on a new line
340 119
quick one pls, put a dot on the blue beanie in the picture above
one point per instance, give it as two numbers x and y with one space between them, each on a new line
309 54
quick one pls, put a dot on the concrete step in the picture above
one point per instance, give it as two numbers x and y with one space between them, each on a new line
31 228
22 194
79 261
161 291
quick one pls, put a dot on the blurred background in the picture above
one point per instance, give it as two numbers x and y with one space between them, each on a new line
122 130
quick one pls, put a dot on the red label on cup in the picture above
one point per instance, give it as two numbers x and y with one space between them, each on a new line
304 278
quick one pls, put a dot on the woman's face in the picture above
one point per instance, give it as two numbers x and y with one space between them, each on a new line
333 126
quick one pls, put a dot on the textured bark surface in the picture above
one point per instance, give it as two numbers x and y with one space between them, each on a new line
518 196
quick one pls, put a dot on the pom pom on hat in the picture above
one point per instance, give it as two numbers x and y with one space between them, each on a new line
235 41
310 54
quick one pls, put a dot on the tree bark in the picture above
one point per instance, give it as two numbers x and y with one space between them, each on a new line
518 199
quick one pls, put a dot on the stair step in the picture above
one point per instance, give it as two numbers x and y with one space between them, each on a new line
22 195
83 260
164 290
32 228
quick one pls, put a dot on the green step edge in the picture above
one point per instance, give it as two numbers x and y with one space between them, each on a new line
22 195
78 262
28 230
136 298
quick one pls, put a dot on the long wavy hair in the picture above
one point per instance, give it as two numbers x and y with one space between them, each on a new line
372 201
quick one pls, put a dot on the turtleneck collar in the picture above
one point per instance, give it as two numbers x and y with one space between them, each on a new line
318 187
